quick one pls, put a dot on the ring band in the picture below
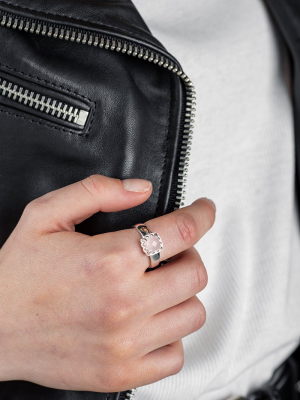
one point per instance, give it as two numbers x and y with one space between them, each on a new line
151 244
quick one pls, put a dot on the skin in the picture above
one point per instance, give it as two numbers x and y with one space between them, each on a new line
79 312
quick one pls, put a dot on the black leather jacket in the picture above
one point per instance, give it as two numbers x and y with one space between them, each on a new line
85 88
286 14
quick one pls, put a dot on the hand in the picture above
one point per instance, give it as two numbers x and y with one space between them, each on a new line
79 312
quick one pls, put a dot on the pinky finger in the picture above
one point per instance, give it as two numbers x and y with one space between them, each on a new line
158 364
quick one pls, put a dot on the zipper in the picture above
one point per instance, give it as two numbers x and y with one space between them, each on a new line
44 104
128 395
32 25
113 43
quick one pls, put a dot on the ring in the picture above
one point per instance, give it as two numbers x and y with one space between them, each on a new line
151 243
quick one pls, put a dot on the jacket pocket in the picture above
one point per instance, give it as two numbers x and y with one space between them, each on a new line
44 102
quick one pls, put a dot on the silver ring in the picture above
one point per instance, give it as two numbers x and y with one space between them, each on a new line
151 244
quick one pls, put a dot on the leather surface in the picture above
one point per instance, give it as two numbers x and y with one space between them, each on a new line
281 385
286 15
21 390
118 16
132 132
134 105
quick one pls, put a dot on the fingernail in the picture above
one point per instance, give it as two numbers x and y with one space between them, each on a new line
136 185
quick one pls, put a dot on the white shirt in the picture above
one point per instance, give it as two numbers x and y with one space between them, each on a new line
242 158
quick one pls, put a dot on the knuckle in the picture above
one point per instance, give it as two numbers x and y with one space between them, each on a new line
120 312
210 214
34 210
93 184
121 349
199 276
178 363
187 227
114 259
199 316
34 207
110 316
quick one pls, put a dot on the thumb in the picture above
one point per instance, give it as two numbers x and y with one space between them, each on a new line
62 209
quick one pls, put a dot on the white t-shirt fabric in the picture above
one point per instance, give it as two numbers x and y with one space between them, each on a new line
242 158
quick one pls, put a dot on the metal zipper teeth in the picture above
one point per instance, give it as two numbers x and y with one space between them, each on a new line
184 157
132 49
135 50
128 395
42 103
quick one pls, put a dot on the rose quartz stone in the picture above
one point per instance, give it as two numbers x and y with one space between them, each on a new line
152 243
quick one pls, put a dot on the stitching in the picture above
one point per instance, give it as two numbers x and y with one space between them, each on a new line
166 145
38 80
43 124
70 18
44 81
92 120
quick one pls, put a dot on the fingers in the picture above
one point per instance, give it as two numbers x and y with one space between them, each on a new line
63 208
169 285
173 283
157 365
183 228
171 325
178 230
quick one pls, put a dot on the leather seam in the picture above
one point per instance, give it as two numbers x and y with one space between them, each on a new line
166 146
70 18
42 123
46 82
92 119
